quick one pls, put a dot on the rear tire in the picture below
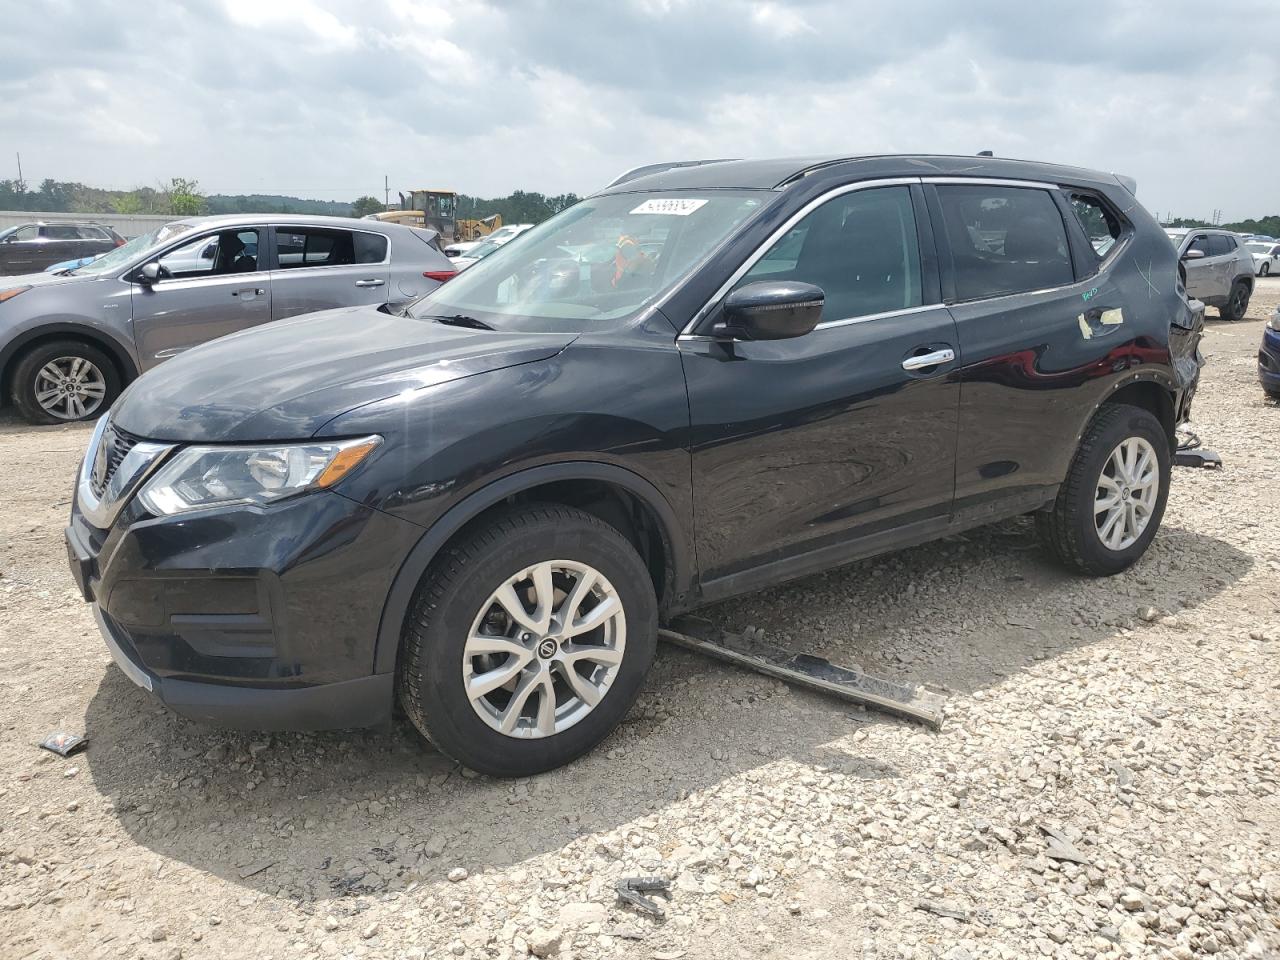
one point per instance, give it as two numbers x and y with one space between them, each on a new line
457 612
1237 302
1264 270
1073 530
64 381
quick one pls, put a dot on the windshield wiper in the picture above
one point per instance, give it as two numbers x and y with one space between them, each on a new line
458 320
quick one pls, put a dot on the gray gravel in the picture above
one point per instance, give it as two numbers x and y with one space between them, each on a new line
1104 783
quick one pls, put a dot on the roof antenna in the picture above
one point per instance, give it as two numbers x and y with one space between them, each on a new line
985 153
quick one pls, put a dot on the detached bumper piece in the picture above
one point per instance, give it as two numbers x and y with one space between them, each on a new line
1191 454
801 669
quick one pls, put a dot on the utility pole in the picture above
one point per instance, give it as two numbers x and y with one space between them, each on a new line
21 185
386 190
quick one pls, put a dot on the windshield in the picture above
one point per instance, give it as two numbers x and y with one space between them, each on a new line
8 230
600 260
483 249
121 256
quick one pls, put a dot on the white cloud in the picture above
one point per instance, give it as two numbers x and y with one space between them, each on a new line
322 98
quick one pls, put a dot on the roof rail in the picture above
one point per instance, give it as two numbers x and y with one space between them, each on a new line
814 168
637 172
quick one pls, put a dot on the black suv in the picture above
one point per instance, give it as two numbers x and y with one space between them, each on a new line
31 247
705 379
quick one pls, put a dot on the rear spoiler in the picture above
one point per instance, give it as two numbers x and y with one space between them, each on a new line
430 237
1129 183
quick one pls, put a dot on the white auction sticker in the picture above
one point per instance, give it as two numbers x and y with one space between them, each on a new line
671 206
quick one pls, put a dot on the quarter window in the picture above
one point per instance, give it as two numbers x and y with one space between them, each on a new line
1100 225
1004 240
860 248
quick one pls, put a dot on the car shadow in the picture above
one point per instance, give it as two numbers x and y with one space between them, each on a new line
11 423
312 818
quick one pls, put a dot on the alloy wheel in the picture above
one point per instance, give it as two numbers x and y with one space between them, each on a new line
70 388
1126 493
544 649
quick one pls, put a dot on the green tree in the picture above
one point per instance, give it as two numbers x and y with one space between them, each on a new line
183 197
364 206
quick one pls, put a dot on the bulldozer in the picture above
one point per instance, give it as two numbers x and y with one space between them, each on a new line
437 210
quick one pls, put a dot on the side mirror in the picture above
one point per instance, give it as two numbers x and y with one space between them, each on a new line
150 273
771 310
1193 255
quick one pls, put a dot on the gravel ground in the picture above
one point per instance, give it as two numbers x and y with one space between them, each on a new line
1133 719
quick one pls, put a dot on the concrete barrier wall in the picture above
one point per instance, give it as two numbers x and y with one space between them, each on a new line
127 225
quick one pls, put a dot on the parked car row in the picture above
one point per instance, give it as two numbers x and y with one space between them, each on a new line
702 380
70 341
466 253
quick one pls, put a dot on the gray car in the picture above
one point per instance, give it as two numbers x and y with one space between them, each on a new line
1219 269
70 342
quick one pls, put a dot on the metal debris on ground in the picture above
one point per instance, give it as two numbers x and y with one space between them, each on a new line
64 744
1060 848
632 890
813 673
943 909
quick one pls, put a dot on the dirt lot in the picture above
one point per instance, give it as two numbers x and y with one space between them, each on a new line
1138 717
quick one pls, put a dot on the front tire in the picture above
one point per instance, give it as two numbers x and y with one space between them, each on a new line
1264 270
1237 302
1109 509
528 640
64 381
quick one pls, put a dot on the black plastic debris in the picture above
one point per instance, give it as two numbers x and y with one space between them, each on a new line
64 744
632 890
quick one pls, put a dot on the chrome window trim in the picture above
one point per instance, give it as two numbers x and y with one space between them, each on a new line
773 238
827 324
990 182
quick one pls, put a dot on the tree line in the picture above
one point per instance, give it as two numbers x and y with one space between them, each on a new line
182 197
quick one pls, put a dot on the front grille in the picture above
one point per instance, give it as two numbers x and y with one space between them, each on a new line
112 449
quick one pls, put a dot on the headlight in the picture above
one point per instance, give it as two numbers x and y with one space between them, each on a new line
1274 322
11 293
200 477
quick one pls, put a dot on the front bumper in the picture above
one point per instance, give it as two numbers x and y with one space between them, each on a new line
259 618
1269 359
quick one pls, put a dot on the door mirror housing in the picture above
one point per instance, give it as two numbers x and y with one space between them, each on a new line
1193 255
150 273
771 310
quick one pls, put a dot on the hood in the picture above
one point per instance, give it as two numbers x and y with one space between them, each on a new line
285 380
40 280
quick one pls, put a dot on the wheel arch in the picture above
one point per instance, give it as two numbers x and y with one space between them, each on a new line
1151 394
13 351
621 498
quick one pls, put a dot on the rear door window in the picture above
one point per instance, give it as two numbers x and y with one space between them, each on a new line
1004 240
860 248
62 231
298 247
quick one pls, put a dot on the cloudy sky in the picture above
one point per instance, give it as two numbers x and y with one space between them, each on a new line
321 98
